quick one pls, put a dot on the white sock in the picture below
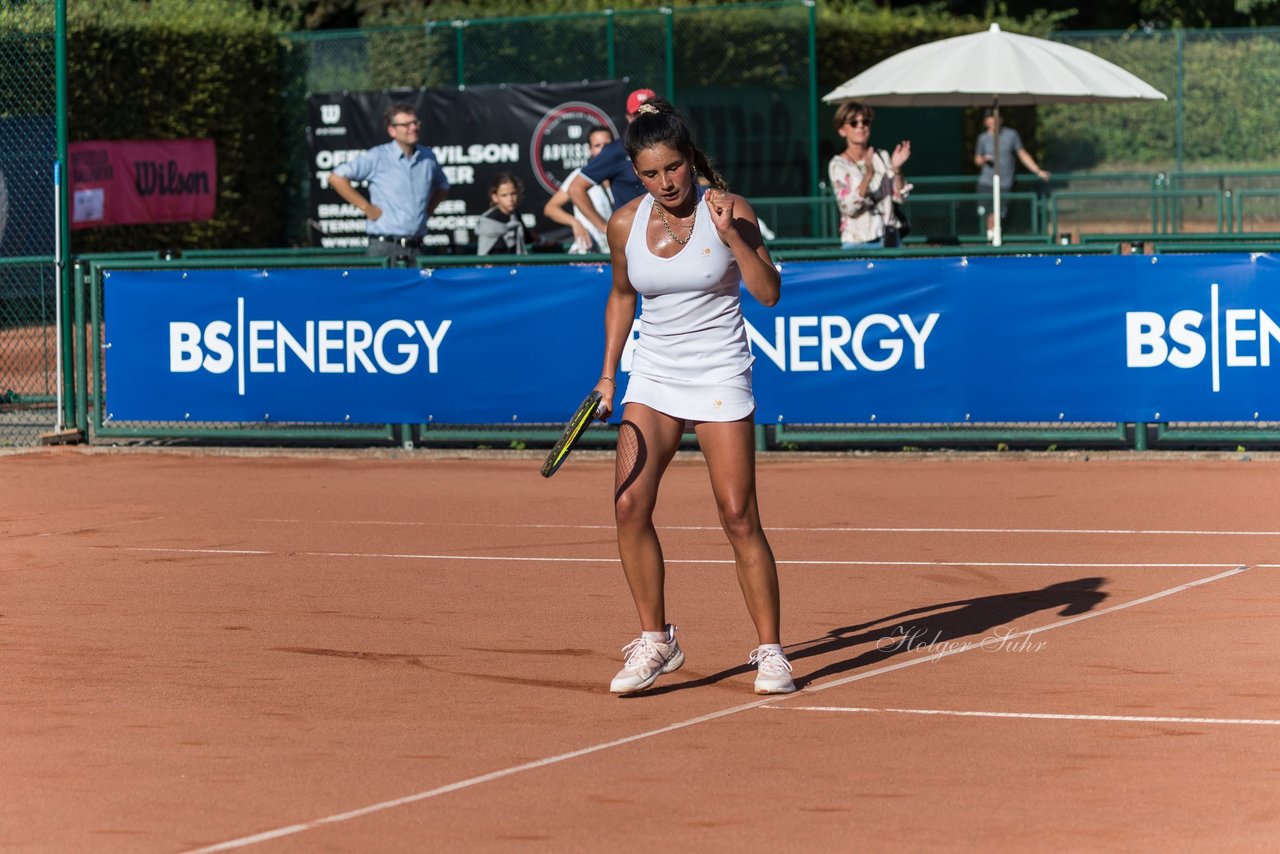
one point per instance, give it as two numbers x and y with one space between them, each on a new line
776 647
656 637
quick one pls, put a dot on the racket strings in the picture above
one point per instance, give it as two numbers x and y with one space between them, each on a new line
632 454
573 431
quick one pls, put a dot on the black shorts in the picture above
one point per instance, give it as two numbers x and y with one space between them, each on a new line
984 204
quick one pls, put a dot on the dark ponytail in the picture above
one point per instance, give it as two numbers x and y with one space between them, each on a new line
658 123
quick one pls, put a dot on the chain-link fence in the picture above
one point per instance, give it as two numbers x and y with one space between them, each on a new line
742 74
1202 162
28 151
1221 85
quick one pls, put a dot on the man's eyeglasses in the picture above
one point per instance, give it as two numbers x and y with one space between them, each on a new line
859 123
413 124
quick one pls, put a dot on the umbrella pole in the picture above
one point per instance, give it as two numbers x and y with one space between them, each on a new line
996 232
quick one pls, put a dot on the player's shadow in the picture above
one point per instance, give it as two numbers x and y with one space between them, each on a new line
990 621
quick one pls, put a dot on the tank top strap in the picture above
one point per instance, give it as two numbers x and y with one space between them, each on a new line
636 240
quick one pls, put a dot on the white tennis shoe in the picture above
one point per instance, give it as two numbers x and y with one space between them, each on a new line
645 661
773 671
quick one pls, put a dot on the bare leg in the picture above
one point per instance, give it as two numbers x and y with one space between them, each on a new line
647 440
731 459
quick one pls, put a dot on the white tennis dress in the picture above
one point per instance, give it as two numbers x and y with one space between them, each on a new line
691 360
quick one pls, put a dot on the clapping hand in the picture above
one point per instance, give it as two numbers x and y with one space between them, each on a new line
901 153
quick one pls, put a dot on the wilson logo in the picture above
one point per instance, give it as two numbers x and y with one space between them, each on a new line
154 177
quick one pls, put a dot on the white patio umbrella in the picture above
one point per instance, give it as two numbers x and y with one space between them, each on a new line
988 69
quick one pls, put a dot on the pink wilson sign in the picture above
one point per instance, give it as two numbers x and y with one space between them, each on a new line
126 182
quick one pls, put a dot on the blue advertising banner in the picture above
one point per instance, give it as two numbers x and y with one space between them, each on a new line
490 345
1071 339
1067 338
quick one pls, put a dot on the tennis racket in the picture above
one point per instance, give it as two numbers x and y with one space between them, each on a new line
573 430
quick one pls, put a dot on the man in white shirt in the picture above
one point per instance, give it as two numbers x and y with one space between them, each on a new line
586 236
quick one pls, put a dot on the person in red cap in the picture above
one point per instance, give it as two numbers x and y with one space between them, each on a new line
635 99
612 164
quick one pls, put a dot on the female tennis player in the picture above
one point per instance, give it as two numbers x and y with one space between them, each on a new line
684 248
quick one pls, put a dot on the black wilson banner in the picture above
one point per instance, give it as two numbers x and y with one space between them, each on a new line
537 132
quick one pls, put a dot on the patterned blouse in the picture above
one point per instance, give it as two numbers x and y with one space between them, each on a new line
863 218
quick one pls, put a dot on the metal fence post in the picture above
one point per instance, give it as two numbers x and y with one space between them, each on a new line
81 372
610 37
458 50
813 103
1156 206
62 240
669 49
1181 40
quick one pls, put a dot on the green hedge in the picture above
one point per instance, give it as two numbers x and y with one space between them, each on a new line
175 69
172 69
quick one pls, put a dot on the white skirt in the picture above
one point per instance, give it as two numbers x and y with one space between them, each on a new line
727 400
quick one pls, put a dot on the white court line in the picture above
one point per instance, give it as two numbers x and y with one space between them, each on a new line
835 529
614 560
472 781
724 713
1038 716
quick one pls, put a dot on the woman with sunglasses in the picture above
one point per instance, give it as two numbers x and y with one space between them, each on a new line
866 182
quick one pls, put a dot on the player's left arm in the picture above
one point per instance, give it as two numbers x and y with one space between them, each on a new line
736 223
620 308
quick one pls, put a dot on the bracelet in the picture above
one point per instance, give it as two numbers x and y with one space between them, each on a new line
610 379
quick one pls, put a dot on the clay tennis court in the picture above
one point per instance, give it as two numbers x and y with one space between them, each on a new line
411 651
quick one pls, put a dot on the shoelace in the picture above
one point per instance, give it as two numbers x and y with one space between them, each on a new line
640 651
770 661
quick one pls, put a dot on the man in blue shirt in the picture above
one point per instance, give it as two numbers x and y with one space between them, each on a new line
405 185
613 165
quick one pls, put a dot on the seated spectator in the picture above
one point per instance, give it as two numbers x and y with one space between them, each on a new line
500 230
586 236
613 165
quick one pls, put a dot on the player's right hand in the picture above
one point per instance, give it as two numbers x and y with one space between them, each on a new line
373 212
605 408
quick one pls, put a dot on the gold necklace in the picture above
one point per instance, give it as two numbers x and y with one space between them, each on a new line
662 215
